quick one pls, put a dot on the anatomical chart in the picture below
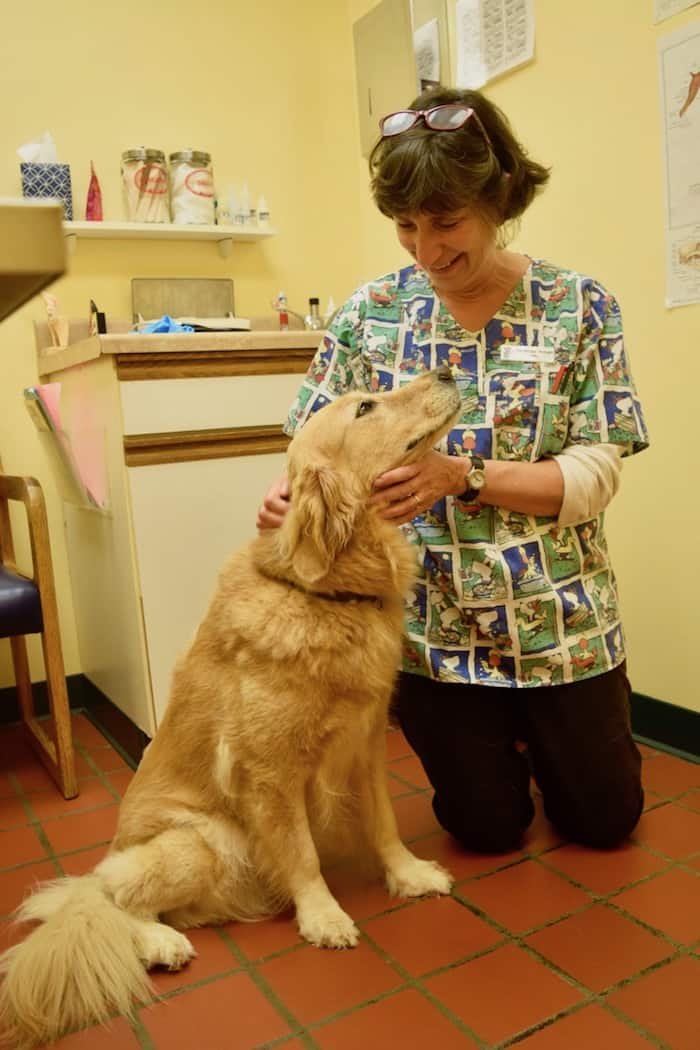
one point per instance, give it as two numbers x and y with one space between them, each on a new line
679 69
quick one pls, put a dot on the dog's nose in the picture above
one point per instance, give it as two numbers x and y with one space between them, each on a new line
444 374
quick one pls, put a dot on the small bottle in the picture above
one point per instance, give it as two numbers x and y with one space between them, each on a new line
238 206
245 204
224 216
93 206
282 309
313 318
263 214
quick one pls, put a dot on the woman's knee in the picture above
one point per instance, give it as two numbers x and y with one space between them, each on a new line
599 823
487 829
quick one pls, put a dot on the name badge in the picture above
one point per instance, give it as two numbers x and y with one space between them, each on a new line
538 354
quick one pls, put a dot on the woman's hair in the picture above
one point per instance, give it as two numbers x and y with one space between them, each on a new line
443 171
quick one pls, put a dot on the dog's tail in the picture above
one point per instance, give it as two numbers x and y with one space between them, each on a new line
80 967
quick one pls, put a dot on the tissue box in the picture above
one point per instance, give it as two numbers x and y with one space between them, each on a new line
48 180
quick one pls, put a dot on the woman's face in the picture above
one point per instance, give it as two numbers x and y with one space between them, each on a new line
455 249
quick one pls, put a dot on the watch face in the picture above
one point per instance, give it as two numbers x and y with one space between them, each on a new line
476 478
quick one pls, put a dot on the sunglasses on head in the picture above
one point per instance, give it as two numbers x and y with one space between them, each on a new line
449 117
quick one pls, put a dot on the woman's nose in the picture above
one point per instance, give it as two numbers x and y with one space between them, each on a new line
426 249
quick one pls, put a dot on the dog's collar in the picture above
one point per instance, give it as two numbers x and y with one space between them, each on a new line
330 596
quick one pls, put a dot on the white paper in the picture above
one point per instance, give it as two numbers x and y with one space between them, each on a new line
41 151
667 8
533 354
493 36
679 71
426 47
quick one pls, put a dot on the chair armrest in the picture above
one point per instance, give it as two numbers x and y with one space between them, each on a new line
18 488
27 490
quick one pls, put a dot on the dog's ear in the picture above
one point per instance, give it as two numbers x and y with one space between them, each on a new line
319 522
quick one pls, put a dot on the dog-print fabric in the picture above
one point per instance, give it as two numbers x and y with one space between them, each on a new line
501 598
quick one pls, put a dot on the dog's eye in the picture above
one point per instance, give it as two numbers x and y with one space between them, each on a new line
364 406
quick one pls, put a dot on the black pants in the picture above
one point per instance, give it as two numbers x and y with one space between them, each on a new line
579 750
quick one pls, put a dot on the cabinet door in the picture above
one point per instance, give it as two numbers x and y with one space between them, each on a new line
188 518
384 65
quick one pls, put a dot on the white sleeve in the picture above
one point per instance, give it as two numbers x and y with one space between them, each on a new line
591 479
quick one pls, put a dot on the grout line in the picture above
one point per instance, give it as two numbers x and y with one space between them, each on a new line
661 934
190 986
413 789
268 992
644 1033
141 1032
99 773
111 741
596 896
667 749
409 981
540 1026
636 1027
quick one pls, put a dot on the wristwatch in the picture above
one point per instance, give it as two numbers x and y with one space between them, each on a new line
476 479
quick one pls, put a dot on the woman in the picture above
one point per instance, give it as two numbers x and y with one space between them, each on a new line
513 632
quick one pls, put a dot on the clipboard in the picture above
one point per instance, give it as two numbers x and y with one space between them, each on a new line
43 406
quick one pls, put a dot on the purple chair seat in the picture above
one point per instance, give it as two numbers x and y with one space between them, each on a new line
20 605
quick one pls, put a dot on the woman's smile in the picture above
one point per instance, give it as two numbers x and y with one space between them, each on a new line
445 267
451 248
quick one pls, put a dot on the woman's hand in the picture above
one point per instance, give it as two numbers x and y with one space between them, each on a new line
403 493
275 505
528 488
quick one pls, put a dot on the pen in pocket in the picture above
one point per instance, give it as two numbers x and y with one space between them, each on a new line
556 383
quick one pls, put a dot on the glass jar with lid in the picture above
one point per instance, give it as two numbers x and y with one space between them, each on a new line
145 185
192 194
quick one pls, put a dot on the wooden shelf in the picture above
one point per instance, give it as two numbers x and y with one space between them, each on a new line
223 236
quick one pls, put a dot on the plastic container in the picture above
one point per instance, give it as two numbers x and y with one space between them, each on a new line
192 193
313 319
282 309
145 185
263 214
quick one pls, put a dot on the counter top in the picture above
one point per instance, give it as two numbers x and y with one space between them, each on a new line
55 359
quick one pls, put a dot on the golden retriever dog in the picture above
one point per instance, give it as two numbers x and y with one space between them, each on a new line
272 748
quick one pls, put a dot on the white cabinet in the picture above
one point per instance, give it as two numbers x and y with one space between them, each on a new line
385 65
189 438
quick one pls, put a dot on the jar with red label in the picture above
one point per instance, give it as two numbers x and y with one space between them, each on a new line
145 185
192 195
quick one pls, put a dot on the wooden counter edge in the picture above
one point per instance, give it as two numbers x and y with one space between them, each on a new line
52 360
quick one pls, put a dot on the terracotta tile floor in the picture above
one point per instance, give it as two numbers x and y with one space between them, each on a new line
551 947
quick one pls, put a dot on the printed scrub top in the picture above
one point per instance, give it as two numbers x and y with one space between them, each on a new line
501 598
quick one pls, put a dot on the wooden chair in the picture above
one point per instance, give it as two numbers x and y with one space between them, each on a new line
28 606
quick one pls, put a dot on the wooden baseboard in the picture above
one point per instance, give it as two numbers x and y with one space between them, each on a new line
666 725
83 696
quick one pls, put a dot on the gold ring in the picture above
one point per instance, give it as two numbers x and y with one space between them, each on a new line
416 500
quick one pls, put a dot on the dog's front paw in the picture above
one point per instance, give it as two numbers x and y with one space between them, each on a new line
328 927
418 878
161 945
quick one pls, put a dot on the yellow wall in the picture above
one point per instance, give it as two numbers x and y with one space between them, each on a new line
245 81
269 90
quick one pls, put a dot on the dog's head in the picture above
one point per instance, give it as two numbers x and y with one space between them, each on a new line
335 457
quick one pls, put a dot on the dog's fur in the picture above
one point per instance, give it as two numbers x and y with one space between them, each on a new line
273 740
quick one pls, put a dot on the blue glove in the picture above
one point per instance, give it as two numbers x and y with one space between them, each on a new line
163 324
